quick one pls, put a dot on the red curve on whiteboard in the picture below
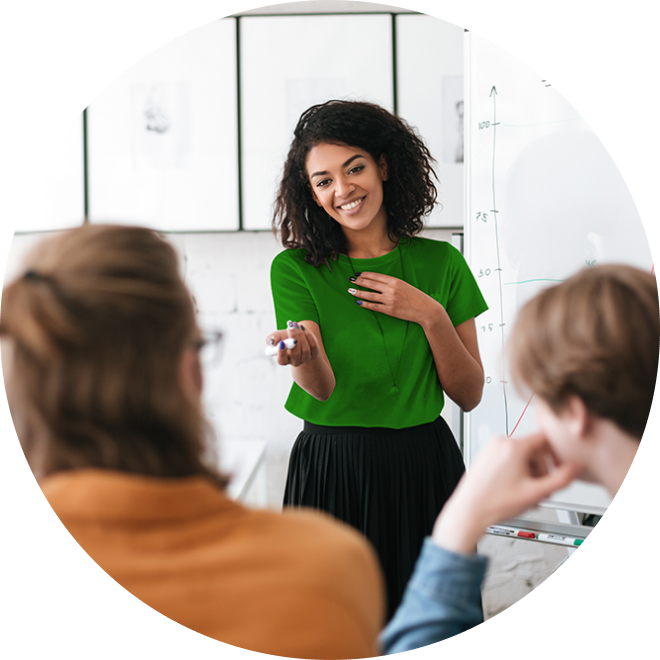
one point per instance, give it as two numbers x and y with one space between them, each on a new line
521 416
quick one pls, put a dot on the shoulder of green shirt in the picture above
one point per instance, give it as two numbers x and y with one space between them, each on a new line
433 246
290 255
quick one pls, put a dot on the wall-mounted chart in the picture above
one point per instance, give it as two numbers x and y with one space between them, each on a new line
167 148
289 63
430 97
162 137
544 199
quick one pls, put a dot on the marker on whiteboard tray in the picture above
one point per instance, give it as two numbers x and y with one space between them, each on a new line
526 535
289 342
501 531
559 539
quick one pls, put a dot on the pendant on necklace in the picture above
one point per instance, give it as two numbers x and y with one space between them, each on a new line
394 390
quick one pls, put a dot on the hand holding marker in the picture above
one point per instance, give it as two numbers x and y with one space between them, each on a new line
289 342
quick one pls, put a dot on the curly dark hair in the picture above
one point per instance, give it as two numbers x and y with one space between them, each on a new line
409 193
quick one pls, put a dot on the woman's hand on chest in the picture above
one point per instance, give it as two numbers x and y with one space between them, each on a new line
394 297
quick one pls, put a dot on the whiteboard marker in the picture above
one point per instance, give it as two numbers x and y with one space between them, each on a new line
511 531
501 531
526 535
559 539
289 342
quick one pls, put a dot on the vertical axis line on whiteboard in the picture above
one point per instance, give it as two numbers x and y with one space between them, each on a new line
493 94
239 124
85 155
395 69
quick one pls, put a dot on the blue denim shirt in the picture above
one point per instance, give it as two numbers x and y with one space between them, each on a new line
442 599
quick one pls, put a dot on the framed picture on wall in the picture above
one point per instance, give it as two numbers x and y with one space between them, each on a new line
289 63
163 137
430 97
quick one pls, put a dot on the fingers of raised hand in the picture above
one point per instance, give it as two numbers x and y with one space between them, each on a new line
305 346
276 337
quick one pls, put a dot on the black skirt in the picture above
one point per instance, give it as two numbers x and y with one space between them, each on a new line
388 484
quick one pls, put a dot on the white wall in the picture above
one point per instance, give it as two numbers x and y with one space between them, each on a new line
228 274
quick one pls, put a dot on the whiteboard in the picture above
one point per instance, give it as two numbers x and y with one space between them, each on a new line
289 63
543 200
429 95
59 180
162 137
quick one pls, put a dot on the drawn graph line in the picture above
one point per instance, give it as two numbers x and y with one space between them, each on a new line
521 416
493 94
542 123
540 279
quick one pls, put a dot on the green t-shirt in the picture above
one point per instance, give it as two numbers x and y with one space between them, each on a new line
353 341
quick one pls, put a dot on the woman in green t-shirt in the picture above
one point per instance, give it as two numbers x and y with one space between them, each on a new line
383 322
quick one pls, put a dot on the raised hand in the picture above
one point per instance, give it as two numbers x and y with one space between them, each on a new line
508 476
305 349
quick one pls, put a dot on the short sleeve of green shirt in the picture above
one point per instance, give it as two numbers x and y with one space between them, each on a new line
292 294
369 354
464 300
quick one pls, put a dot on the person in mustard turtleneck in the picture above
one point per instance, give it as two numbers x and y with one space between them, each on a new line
100 352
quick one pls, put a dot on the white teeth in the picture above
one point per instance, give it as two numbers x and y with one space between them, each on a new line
352 205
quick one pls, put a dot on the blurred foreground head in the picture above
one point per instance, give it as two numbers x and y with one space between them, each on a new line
99 344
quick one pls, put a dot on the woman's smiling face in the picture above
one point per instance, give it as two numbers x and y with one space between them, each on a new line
348 184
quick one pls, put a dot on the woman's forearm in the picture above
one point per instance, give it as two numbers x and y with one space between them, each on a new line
316 378
459 367
310 366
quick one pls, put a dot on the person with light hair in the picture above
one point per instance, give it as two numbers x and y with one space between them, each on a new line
588 351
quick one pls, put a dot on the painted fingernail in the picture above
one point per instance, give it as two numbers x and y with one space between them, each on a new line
359 302
302 327
296 326
358 274
352 291
289 324
352 279
282 345
271 340
295 341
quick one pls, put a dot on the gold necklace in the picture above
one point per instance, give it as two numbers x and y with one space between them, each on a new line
394 389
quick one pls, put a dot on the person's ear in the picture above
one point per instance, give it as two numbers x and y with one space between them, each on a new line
580 421
382 166
190 372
